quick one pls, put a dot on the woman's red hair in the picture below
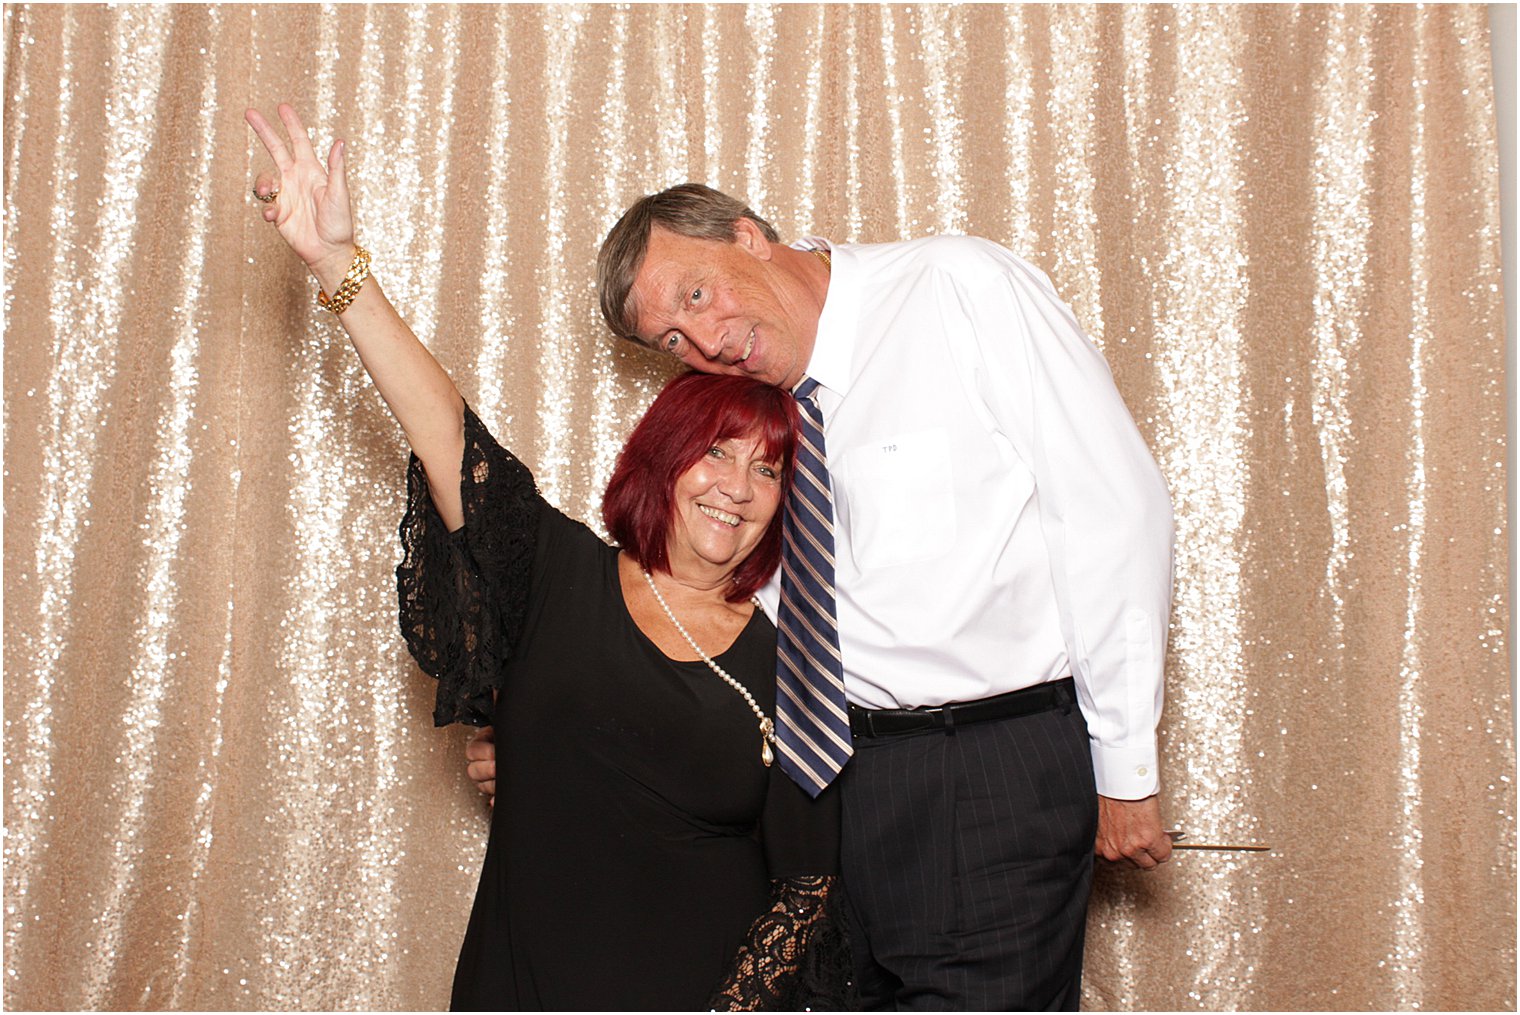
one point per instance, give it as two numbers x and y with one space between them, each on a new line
694 412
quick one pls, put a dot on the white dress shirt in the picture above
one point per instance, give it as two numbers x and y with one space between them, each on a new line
999 521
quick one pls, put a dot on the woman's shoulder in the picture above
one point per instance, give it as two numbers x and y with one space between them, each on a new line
761 629
502 476
570 549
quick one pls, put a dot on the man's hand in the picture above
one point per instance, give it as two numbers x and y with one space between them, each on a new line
1129 831
480 752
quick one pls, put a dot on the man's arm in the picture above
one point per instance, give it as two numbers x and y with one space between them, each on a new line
480 758
1106 519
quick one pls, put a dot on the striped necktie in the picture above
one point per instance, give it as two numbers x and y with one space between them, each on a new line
813 727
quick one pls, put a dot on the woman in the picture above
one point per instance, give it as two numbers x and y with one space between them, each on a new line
644 852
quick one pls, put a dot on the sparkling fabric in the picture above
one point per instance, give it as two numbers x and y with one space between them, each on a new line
222 786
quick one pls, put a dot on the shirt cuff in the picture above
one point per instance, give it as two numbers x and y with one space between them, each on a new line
1126 773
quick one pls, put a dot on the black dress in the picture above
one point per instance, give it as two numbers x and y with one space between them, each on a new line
636 835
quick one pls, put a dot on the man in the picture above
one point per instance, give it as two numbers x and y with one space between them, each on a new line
1001 553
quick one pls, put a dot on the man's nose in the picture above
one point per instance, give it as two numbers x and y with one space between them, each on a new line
709 338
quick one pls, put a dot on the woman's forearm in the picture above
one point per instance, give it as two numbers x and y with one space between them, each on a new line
413 383
308 203
768 959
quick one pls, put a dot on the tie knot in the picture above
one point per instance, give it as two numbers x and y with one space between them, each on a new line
804 389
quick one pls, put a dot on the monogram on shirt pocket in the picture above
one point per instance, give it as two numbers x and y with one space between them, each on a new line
900 495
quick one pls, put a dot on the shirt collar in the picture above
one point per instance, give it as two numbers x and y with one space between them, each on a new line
834 345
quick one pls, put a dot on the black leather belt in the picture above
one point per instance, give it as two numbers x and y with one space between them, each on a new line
887 722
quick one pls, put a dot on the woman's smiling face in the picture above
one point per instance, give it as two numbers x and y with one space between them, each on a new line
722 506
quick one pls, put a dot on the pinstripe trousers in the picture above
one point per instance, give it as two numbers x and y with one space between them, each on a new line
967 861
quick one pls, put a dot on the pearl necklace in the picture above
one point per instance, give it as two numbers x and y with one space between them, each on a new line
767 728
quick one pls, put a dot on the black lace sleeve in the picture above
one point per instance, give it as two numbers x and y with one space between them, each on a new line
463 594
796 957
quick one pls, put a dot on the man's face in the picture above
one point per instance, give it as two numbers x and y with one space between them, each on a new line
725 307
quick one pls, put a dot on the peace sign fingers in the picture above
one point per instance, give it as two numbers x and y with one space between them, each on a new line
273 143
300 140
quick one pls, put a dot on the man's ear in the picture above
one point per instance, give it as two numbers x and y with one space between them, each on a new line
751 239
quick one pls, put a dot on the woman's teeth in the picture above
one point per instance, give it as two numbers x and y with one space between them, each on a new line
722 516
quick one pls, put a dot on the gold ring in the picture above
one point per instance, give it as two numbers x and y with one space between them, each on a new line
266 198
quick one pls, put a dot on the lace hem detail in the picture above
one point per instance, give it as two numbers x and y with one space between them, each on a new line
796 957
463 595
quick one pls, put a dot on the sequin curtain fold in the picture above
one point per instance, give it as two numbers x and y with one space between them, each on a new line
222 788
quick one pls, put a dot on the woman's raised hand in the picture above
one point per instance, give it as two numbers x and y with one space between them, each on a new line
310 208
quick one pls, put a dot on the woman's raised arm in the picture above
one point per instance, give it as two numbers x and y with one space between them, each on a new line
311 211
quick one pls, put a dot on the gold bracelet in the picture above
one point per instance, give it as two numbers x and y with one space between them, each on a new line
358 271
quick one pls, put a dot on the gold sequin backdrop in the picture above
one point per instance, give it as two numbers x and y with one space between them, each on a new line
222 788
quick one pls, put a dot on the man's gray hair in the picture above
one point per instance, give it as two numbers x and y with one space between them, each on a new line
688 209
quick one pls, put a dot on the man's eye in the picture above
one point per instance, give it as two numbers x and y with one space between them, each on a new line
672 342
696 295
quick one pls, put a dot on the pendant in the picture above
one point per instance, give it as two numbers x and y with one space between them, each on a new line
767 734
766 757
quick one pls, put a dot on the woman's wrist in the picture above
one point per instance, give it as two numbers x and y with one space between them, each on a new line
348 290
330 270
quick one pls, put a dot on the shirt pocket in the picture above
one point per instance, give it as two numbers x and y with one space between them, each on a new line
901 498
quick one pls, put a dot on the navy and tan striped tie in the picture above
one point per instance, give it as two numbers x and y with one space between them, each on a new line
813 727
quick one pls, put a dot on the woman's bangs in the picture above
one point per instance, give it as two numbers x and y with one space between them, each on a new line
763 418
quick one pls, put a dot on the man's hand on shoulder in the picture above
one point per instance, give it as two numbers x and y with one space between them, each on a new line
480 753
1130 832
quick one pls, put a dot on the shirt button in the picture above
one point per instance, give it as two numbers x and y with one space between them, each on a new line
1141 770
